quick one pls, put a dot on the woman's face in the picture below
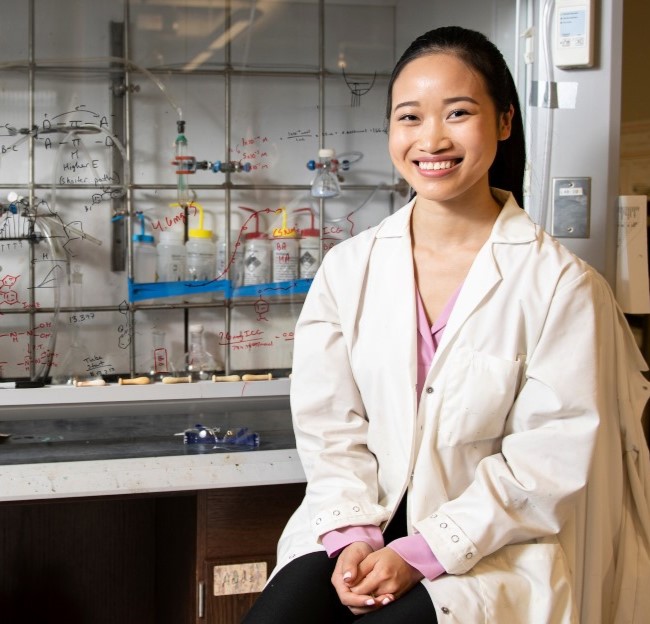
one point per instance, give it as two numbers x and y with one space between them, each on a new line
444 128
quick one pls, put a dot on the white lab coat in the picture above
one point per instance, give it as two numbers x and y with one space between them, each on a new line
533 382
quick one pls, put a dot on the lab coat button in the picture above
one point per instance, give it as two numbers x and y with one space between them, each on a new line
454 538
469 556
429 390
356 508
443 525
318 520
336 512
445 610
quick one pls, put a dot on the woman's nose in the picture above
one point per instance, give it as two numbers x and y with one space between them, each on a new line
433 137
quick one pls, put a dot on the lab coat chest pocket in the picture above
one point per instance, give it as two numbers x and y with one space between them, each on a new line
478 391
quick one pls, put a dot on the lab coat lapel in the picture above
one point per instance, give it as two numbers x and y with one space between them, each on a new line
396 271
512 227
483 276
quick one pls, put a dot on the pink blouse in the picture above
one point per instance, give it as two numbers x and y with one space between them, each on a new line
412 548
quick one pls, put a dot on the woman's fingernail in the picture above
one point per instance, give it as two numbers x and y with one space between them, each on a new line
385 601
347 575
370 602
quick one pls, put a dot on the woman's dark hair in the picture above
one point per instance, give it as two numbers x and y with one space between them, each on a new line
480 54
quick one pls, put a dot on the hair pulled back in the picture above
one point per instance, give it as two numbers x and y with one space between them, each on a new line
481 55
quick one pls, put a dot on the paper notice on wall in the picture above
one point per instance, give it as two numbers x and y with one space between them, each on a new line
239 578
632 289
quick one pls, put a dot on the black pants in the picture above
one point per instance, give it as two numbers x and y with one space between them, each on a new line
302 593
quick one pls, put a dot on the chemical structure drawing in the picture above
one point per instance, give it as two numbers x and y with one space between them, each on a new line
7 293
261 307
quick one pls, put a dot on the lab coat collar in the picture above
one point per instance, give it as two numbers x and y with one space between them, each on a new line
513 226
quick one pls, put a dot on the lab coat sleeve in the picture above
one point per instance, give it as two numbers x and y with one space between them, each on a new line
329 418
524 492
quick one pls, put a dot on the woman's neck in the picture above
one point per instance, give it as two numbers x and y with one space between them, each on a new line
465 222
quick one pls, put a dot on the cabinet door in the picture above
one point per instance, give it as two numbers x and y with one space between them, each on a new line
238 532
232 586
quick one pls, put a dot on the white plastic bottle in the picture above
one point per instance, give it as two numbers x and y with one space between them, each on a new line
201 262
170 260
257 259
171 253
231 267
285 258
309 253
285 250
144 259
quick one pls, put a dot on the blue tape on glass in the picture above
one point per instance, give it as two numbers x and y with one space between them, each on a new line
159 290
293 287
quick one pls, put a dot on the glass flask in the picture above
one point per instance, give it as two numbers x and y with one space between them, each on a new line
77 360
160 364
197 362
326 183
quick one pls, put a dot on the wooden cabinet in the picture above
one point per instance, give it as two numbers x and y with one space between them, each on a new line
237 537
138 559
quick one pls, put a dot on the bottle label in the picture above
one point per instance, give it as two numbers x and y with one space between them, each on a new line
256 267
160 362
285 260
308 264
233 269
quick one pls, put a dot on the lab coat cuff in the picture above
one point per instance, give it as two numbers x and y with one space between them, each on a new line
453 549
347 514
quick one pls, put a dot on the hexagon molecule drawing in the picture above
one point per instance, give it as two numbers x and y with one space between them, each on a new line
7 294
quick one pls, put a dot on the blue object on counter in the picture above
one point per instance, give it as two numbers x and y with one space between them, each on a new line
207 435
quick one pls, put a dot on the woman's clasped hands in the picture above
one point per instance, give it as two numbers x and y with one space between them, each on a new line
366 580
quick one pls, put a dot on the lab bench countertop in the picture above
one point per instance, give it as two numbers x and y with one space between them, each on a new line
115 393
116 440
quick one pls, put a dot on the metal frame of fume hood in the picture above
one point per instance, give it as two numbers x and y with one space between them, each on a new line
227 186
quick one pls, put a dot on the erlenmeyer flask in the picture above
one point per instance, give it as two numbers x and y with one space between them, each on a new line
157 363
197 362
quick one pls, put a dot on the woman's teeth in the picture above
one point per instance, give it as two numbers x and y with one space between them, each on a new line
436 166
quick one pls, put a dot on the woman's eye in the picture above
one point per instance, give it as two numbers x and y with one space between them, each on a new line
407 117
455 114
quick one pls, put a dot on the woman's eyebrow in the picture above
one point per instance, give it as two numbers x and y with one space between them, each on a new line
411 103
445 101
460 98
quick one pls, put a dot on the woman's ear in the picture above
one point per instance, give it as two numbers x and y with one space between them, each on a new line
505 123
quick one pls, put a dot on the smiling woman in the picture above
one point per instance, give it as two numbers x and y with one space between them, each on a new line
453 468
444 146
486 72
